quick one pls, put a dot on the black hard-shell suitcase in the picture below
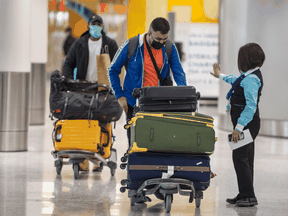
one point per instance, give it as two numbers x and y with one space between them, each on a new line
167 98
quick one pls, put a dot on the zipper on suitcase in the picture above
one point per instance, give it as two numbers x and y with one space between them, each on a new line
141 115
151 134
198 139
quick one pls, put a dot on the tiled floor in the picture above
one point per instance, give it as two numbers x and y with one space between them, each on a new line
30 186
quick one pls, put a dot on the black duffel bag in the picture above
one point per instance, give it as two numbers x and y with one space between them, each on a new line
90 103
79 85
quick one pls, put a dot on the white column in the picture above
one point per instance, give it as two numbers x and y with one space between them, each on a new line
39 49
15 70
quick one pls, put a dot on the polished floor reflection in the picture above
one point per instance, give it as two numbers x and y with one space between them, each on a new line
30 186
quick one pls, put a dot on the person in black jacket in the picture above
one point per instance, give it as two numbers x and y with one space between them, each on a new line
68 41
243 108
82 55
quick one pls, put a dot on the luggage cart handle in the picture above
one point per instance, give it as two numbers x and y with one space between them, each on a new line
198 95
58 139
99 85
108 136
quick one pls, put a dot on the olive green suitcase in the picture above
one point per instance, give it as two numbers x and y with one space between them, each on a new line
190 133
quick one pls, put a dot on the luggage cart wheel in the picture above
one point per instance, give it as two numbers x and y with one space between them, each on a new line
132 201
76 170
122 189
113 167
122 166
197 201
123 159
124 182
112 171
58 165
168 201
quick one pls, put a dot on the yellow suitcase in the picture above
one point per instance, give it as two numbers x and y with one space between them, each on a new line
85 135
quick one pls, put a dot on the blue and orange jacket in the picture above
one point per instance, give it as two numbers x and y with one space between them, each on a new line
135 68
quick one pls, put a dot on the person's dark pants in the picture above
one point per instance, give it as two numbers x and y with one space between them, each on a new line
128 118
243 159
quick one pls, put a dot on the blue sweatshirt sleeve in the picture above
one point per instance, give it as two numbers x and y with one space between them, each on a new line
251 85
120 59
176 67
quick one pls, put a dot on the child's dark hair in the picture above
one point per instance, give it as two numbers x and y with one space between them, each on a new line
250 56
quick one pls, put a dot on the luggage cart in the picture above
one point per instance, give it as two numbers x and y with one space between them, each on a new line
76 157
167 187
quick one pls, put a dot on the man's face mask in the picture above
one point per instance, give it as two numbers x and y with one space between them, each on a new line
95 31
155 44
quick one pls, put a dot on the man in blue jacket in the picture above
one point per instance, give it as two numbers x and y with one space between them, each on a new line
140 71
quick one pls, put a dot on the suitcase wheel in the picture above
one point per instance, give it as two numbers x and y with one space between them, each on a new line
123 159
58 164
112 171
113 167
132 201
123 189
76 170
199 196
124 182
168 203
197 202
123 166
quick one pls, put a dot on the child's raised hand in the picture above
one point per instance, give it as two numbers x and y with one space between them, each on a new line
216 69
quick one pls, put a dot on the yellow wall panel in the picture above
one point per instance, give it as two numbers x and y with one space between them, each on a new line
198 14
211 8
183 13
136 17
155 9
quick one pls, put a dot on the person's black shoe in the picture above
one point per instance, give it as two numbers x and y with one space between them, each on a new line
232 200
247 202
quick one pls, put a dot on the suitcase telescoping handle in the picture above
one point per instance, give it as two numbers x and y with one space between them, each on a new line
57 133
137 93
198 95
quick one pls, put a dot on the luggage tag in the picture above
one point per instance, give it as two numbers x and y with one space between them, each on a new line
169 173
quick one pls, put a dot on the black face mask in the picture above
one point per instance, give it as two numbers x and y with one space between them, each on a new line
157 45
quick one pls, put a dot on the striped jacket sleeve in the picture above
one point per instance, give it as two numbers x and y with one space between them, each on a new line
176 67
120 59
